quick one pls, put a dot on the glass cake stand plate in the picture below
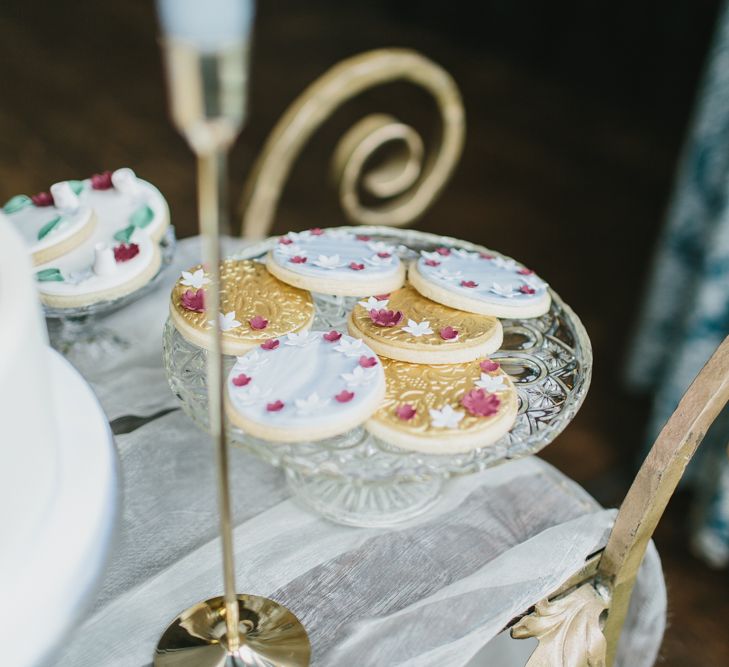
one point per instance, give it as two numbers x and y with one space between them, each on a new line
357 479
78 333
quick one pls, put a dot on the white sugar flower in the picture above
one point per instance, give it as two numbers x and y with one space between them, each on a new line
300 339
445 274
465 254
505 263
358 377
376 260
329 261
227 321
251 394
446 417
380 246
196 280
491 383
78 277
418 329
350 347
435 256
251 361
374 304
290 250
342 234
506 291
305 406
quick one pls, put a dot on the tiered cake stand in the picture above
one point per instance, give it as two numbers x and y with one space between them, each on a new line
357 479
77 332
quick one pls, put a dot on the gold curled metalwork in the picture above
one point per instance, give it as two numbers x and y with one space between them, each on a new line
409 185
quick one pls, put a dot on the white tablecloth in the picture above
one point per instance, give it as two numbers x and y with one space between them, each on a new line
434 591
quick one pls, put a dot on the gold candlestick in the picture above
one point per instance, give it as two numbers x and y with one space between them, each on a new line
207 94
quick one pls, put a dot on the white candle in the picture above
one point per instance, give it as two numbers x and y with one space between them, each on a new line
208 25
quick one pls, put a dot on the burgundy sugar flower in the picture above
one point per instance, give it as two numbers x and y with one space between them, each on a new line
102 181
363 237
42 199
258 322
489 366
405 411
270 344
485 255
386 318
468 283
356 267
384 255
525 272
432 262
275 406
298 259
317 231
241 380
367 362
193 300
285 240
448 333
125 252
332 336
443 251
526 289
480 403
344 396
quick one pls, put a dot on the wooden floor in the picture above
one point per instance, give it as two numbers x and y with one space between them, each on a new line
575 121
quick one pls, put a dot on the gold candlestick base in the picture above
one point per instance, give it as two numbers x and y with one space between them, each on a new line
270 636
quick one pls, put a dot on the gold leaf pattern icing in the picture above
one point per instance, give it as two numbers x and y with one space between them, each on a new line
250 290
472 329
425 387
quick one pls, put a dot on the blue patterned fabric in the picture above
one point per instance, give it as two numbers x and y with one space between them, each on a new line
686 311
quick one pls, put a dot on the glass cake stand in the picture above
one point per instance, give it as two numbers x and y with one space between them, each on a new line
359 480
78 333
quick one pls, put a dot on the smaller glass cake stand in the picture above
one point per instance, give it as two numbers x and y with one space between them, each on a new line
359 480
79 334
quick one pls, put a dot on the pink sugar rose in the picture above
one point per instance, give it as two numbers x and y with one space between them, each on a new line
193 300
241 380
525 272
405 411
344 396
432 262
386 318
448 333
258 322
275 406
356 267
384 255
42 199
485 255
125 252
363 237
270 344
444 252
367 362
298 259
332 336
317 231
468 283
481 403
102 181
526 289
285 240
382 297
488 366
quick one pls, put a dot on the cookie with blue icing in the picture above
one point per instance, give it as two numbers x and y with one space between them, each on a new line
479 282
304 386
336 261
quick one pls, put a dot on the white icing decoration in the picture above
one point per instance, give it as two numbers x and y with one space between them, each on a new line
380 246
126 182
329 261
447 417
330 255
300 339
497 279
418 329
104 262
374 304
350 347
306 380
359 376
78 277
196 280
491 383
313 403
226 321
64 198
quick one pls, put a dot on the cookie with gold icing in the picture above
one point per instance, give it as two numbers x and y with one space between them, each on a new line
336 261
304 386
479 282
254 306
444 409
407 326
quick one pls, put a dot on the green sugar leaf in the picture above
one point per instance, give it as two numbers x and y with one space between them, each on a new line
46 229
142 216
76 186
16 203
125 235
49 275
